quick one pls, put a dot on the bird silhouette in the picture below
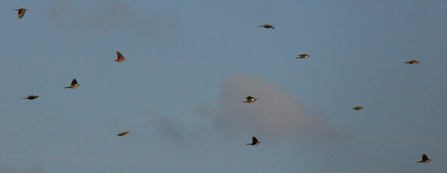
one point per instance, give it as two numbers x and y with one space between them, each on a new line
357 108
21 12
74 84
412 62
425 159
120 57
123 133
254 141
267 26
302 56
31 97
250 99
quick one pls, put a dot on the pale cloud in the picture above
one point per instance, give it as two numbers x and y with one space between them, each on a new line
277 114
108 15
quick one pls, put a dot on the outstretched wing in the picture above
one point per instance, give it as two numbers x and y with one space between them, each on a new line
249 97
74 82
254 140
424 157
120 56
21 12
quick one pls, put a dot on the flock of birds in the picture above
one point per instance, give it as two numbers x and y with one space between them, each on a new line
249 99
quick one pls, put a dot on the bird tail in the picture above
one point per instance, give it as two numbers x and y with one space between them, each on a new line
67 87
249 144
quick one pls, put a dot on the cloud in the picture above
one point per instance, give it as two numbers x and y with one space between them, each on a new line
277 114
108 15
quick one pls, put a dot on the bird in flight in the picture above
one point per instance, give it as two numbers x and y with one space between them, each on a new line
254 141
250 99
412 62
267 26
123 133
120 57
303 56
21 12
31 97
425 159
74 84
357 108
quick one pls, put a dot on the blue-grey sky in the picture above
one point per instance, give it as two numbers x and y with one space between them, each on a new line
189 66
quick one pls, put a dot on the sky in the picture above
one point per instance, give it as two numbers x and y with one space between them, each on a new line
189 66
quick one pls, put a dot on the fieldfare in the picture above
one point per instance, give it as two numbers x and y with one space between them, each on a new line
254 141
120 57
74 84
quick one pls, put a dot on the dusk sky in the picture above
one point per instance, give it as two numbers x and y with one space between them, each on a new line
189 66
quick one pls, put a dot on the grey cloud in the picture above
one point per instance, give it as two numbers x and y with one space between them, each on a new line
108 15
277 114
175 130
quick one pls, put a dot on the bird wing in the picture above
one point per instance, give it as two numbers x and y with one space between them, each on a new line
249 97
120 56
254 140
424 157
74 82
21 13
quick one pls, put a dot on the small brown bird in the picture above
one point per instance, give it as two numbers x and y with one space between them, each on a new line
302 56
254 141
31 97
250 99
425 159
123 133
357 108
412 62
74 84
267 26
21 12
120 57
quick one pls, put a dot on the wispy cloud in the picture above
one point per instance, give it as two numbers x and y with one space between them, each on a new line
277 114
108 15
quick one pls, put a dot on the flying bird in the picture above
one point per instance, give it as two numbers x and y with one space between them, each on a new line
254 141
31 97
357 108
267 26
412 62
120 57
425 159
123 133
303 56
74 84
250 99
21 12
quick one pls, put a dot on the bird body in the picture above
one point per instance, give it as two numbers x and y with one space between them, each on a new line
31 97
412 62
21 12
250 99
425 159
267 26
123 133
303 56
357 108
120 57
254 141
74 84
